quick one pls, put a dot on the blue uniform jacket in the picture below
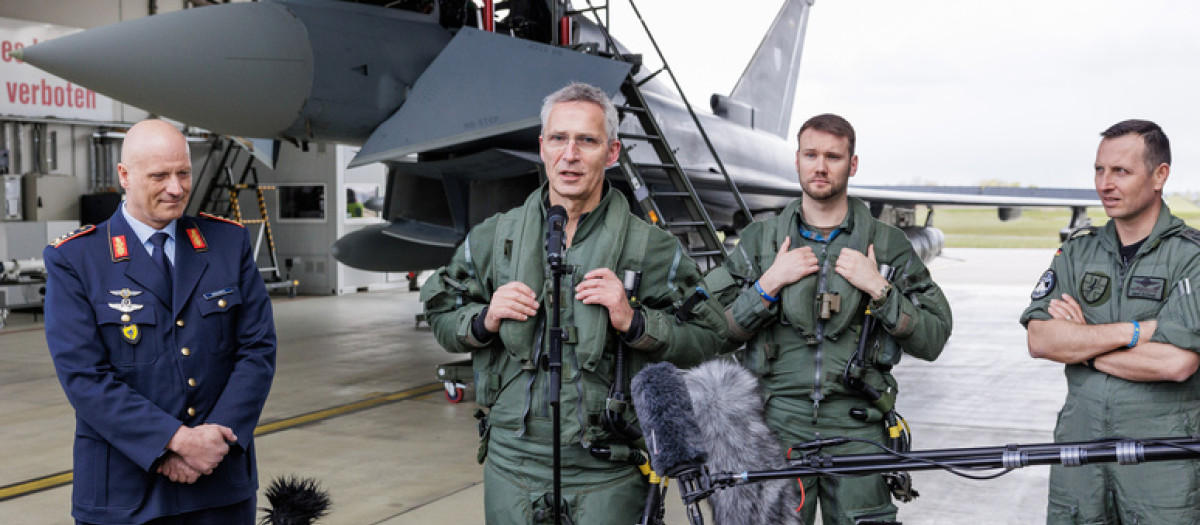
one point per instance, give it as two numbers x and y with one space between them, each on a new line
136 368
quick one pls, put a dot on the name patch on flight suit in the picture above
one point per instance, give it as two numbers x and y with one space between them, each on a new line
131 333
1147 288
1094 288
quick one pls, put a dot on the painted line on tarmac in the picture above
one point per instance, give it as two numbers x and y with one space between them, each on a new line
328 413
25 488
34 485
22 330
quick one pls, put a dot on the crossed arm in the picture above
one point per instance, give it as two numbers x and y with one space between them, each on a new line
1068 338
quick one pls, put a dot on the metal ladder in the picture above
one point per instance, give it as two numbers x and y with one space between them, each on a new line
271 273
221 198
223 156
674 206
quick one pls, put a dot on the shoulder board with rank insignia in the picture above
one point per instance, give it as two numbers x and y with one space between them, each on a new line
222 219
1083 232
1191 234
77 233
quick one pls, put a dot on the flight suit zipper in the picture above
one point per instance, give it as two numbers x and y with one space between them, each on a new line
818 392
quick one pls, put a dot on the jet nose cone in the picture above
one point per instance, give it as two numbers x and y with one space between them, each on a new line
243 69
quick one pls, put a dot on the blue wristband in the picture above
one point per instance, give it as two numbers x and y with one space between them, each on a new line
1137 330
763 293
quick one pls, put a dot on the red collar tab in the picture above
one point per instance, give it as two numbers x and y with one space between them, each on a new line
120 248
197 239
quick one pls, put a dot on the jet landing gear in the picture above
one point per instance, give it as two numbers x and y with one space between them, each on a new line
454 377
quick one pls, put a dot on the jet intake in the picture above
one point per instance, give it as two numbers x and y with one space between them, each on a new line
732 110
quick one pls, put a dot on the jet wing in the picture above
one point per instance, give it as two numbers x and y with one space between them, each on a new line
754 182
483 85
977 196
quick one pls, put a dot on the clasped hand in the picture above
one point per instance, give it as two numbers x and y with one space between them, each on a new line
860 270
517 301
195 452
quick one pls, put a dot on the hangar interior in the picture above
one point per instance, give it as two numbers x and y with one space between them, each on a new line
60 143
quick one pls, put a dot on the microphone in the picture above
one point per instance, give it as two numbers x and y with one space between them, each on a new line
664 409
729 411
296 501
556 237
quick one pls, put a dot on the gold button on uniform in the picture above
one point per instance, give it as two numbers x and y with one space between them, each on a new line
222 303
185 351
191 381
125 318
179 323
191 412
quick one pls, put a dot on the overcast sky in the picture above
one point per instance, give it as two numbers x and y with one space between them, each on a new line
960 92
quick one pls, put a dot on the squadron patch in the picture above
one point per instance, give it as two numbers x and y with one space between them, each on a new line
1045 285
1095 288
131 333
1152 288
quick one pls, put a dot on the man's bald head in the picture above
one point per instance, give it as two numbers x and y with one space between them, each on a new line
150 136
156 172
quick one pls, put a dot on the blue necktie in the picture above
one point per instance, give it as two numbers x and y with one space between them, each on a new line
159 240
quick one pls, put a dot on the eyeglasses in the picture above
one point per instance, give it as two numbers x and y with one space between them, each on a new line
559 141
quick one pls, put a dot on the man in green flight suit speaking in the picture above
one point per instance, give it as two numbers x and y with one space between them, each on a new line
1117 308
491 300
796 290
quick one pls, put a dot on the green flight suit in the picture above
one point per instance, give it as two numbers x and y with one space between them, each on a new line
801 358
1090 269
518 443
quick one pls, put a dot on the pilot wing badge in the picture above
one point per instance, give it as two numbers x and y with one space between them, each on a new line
126 305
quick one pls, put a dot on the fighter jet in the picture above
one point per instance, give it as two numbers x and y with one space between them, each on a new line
447 95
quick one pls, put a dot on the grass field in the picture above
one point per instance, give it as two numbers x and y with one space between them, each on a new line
1035 228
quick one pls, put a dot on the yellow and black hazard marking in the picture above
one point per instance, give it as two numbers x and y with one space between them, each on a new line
222 219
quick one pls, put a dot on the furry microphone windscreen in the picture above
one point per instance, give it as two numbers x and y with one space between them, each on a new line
664 409
728 404
295 501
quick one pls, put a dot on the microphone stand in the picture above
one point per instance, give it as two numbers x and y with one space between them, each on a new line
553 364
1008 457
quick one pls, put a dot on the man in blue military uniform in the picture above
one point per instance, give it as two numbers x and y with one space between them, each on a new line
162 336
